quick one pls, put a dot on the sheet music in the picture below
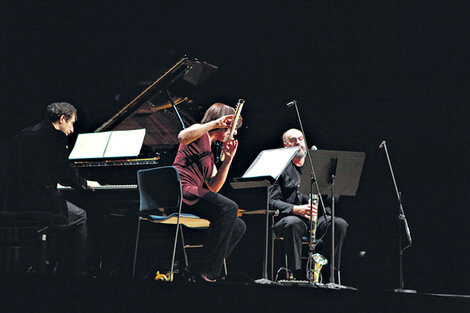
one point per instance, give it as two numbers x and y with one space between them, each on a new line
125 143
271 162
120 143
90 146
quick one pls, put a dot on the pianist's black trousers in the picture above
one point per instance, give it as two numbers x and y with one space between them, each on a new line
225 231
69 241
292 228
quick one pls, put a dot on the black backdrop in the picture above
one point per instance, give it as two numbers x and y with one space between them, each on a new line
362 72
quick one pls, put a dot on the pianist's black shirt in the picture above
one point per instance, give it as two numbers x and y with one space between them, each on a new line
38 161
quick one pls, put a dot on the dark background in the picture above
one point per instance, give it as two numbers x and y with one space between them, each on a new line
361 71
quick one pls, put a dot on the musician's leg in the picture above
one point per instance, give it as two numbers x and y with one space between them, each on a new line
341 227
78 221
239 229
76 231
292 228
224 232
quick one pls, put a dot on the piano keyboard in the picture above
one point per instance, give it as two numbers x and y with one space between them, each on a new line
104 187
106 163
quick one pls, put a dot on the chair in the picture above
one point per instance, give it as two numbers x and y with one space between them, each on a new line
190 221
160 192
20 233
305 242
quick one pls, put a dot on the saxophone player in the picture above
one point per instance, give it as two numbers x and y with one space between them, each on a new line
294 211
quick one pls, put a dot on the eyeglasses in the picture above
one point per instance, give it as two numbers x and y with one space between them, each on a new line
294 139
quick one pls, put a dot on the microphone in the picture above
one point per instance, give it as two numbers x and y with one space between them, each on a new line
381 146
293 102
334 165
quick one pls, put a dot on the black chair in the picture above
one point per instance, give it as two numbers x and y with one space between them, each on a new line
160 192
305 243
23 241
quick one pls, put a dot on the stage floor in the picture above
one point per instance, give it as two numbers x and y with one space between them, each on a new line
120 295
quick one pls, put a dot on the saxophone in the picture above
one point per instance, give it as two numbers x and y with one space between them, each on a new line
318 260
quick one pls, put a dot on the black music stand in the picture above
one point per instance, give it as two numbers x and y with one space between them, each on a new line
195 73
337 174
263 172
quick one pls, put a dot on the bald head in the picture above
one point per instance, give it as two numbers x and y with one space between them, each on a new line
293 132
294 138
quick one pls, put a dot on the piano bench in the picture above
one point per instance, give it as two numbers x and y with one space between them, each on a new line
23 244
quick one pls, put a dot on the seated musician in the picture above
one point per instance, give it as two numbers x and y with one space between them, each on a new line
294 210
201 181
38 162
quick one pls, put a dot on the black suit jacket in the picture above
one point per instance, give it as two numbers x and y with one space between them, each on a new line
38 161
284 193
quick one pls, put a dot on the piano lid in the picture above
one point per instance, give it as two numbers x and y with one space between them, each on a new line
151 109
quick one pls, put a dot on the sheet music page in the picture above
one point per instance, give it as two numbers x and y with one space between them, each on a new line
271 162
90 146
125 143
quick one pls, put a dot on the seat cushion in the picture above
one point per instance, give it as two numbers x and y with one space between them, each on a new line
188 220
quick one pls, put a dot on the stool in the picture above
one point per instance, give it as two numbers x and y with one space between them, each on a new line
23 241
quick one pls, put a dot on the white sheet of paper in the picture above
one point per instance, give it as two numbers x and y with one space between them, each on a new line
125 143
271 162
90 146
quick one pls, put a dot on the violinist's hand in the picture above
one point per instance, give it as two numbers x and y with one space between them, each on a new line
304 210
229 149
223 122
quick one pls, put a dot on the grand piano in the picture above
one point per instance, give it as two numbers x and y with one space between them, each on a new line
154 110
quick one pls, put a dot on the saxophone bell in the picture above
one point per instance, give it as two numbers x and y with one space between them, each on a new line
319 260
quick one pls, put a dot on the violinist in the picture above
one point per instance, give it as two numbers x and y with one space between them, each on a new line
201 182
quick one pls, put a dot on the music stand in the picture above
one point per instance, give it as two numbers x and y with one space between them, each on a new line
338 174
195 73
263 172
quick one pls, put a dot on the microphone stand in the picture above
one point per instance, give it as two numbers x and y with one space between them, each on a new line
401 218
332 262
313 181
176 110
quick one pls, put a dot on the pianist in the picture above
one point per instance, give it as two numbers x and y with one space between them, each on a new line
201 182
38 162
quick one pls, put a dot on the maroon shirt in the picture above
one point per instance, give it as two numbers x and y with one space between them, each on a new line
194 163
